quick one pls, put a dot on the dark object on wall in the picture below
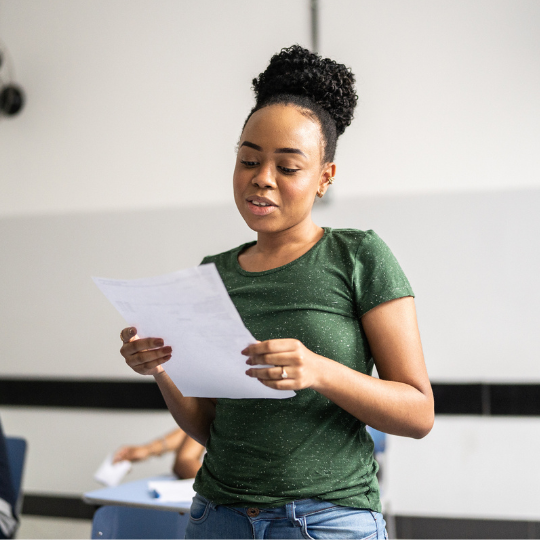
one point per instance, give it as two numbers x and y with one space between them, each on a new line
11 99
11 95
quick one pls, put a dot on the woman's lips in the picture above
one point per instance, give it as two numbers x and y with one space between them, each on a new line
260 208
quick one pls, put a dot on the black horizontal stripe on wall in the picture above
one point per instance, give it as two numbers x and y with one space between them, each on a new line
487 399
454 399
515 400
438 527
461 399
92 394
56 506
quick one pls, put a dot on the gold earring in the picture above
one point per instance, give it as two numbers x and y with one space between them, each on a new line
331 180
320 195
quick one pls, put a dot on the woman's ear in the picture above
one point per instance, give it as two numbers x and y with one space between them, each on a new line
327 178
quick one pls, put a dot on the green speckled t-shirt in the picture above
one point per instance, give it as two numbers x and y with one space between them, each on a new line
268 452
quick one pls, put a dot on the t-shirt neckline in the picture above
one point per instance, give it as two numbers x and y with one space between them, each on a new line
240 270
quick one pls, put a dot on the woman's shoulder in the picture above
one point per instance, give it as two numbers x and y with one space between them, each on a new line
353 238
357 246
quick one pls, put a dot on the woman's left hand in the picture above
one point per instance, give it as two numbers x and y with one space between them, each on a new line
294 366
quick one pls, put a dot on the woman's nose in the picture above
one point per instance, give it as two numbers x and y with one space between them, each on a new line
264 178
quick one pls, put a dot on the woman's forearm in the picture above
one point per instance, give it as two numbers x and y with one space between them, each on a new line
193 415
186 468
393 407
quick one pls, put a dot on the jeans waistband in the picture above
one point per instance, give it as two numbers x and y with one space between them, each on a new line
294 509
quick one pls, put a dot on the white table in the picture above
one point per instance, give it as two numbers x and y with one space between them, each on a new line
135 494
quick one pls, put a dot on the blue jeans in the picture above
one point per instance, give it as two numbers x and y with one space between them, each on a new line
306 518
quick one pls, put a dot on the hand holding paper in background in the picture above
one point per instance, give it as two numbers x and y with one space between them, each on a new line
111 474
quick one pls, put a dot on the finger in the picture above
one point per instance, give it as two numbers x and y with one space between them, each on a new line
271 346
147 367
272 374
127 334
283 384
148 356
138 345
275 359
248 348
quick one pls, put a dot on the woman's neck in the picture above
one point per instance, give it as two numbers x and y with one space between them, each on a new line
273 250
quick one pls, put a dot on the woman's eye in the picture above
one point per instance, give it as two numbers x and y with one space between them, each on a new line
286 170
248 163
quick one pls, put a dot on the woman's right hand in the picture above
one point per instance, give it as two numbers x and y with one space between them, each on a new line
144 356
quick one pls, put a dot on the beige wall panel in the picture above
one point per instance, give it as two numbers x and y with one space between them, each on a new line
468 467
66 447
472 259
56 320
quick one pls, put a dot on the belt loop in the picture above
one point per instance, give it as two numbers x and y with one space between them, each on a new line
291 514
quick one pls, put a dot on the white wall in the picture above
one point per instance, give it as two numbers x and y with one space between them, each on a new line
132 103
448 93
120 166
139 104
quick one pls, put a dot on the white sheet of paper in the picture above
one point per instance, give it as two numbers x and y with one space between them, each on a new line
192 311
172 490
111 474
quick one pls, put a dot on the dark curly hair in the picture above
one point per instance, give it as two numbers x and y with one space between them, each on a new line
318 86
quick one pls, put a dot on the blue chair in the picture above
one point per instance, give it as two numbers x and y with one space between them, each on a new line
130 522
16 454
379 438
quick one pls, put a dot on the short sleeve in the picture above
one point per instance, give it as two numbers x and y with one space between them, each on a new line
377 277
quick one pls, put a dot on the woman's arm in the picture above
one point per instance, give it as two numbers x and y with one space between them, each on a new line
188 458
193 415
146 356
399 403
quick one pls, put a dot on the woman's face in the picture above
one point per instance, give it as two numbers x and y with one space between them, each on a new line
278 169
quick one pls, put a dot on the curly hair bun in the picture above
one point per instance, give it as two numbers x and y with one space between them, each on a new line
297 71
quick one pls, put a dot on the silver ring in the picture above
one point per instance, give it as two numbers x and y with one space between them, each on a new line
283 373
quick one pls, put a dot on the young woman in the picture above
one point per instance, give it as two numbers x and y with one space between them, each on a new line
326 304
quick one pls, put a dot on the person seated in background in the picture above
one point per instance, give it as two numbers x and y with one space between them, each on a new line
188 452
8 499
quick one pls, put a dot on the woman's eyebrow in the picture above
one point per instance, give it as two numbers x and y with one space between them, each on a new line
276 151
251 145
289 151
